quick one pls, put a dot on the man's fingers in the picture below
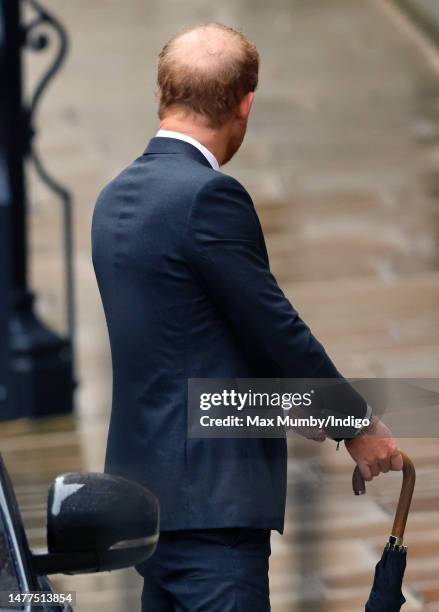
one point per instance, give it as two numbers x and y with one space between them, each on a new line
396 461
384 465
374 468
365 470
375 454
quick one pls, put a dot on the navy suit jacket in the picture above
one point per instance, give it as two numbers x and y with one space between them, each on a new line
184 277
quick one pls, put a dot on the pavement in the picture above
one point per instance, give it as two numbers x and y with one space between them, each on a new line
342 161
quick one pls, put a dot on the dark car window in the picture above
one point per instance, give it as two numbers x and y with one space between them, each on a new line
9 580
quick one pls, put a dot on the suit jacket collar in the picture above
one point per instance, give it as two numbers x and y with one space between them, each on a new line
173 146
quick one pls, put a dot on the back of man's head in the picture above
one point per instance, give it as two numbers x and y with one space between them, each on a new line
206 71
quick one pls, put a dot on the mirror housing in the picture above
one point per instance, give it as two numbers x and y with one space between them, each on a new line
97 522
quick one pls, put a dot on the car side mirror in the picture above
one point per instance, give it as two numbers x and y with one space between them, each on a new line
97 522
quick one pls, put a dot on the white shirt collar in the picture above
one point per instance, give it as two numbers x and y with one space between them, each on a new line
179 136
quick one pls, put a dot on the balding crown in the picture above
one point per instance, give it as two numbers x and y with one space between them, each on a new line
206 47
207 70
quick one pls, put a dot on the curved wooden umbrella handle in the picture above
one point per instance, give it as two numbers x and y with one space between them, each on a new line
405 497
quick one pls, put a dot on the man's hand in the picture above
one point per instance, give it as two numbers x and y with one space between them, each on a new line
375 450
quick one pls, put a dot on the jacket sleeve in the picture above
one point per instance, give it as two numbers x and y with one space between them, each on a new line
227 254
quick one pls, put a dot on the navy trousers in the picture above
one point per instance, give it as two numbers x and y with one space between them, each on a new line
215 570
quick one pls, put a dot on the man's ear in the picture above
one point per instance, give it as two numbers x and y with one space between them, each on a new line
246 104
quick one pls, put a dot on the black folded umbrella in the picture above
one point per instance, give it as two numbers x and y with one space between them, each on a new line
386 594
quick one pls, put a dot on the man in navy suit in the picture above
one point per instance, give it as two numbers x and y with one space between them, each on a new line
183 272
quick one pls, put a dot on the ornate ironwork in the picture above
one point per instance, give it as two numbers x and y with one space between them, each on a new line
39 41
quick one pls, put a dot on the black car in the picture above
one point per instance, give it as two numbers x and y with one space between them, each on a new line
95 522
